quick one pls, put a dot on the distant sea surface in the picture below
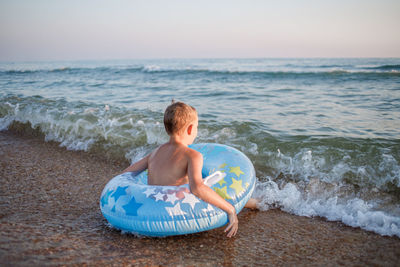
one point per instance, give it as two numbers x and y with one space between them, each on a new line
323 134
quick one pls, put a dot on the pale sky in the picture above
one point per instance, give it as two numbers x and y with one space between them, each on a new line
129 29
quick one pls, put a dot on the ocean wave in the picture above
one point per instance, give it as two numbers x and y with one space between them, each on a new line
75 70
99 129
272 73
50 70
83 126
385 67
317 200
355 181
323 70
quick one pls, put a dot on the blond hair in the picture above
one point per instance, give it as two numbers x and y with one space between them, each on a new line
177 116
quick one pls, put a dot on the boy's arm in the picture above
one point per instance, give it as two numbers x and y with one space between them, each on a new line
138 166
199 189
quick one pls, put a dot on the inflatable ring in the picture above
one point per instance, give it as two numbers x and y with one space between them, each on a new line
129 204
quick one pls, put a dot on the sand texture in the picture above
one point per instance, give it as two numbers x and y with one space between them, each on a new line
49 215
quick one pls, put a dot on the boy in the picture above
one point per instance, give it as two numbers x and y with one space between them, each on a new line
174 163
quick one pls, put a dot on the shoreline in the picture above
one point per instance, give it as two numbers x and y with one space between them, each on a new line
50 216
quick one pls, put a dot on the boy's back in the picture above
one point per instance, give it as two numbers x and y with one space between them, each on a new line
168 165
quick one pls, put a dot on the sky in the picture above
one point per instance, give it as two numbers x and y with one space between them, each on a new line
130 29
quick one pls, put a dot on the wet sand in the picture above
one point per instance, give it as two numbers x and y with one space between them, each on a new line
49 215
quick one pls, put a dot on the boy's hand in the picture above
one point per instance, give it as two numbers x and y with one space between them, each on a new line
233 225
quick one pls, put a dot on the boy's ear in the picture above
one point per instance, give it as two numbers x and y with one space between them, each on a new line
189 129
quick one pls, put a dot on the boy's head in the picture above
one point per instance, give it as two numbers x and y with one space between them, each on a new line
178 116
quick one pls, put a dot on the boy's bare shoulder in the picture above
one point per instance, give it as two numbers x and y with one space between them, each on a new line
154 152
194 155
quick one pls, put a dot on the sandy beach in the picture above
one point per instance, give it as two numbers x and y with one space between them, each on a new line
50 215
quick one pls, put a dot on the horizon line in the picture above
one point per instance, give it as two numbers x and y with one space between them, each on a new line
193 58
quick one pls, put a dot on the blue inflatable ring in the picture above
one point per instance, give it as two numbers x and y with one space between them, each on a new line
129 204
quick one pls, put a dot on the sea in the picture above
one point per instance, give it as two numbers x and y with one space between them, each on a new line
323 133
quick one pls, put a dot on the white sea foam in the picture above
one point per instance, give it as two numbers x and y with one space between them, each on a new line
151 68
390 163
5 122
354 211
223 134
155 133
79 128
315 187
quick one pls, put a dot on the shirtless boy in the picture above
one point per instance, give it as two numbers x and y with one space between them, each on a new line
174 163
